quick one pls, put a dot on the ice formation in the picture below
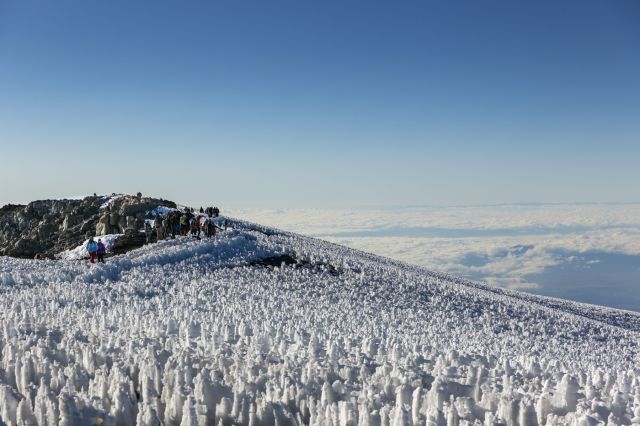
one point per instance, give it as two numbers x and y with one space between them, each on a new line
261 327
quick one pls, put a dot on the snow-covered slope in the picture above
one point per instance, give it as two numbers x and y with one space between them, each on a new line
264 327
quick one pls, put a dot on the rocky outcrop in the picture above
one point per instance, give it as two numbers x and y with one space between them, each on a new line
130 240
44 228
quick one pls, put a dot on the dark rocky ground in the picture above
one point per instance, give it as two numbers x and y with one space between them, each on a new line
44 228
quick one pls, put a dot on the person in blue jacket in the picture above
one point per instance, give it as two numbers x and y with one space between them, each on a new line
92 248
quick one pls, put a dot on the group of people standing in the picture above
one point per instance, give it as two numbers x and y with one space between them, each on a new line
176 222
183 223
96 250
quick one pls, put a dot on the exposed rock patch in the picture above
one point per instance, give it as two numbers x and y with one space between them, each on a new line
44 228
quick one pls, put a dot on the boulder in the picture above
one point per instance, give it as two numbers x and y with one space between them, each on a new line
45 231
70 220
104 219
102 229
130 240
87 226
25 247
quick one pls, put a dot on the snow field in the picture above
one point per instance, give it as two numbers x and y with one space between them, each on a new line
188 332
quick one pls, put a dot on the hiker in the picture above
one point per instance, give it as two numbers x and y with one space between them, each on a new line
176 224
159 226
184 224
207 227
193 225
169 227
200 224
201 209
101 251
92 248
210 228
148 232
159 232
216 212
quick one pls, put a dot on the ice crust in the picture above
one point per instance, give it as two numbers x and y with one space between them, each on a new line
188 332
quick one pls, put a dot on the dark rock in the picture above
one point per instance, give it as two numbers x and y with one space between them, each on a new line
130 240
8 208
70 220
45 230
25 247
87 226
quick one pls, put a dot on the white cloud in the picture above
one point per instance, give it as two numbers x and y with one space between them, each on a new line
445 238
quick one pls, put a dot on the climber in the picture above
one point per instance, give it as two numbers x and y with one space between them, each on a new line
210 228
101 251
176 224
184 224
148 231
193 224
159 228
92 248
168 225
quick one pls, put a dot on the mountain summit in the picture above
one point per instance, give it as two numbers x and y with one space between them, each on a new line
45 228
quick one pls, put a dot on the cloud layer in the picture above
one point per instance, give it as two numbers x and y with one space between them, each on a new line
502 245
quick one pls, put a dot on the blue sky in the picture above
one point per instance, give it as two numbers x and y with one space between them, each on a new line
302 104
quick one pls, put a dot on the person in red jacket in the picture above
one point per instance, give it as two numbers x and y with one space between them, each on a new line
101 251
